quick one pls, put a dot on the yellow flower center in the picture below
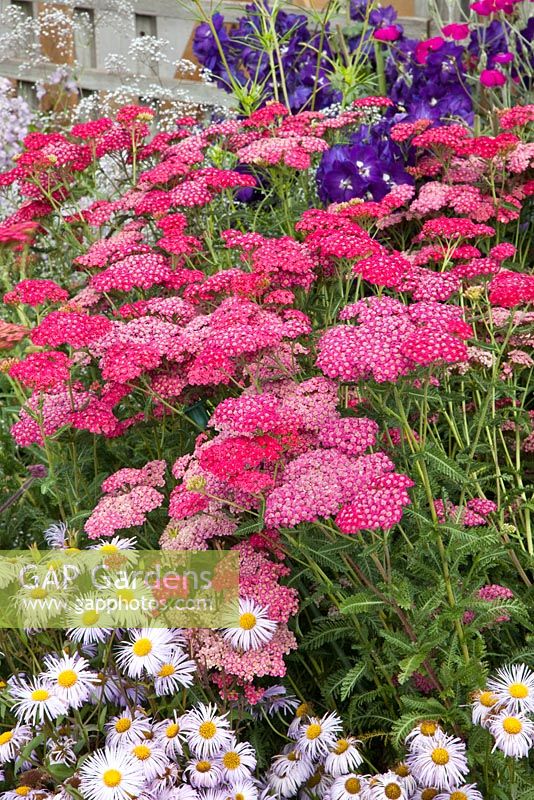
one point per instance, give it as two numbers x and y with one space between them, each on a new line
518 690
239 796
341 746
6 737
302 710
402 771
166 670
38 593
40 695
247 621
127 595
23 791
392 791
512 725
440 756
458 796
112 778
123 724
89 618
142 647
292 756
428 728
203 766
353 785
207 729
67 678
172 730
314 780
109 548
231 760
313 731
141 751
428 794
487 699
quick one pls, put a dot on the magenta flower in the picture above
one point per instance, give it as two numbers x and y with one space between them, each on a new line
456 31
427 46
389 34
492 77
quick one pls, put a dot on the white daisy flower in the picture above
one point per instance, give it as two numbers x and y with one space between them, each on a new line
484 703
174 673
387 786
12 740
203 773
207 732
146 650
237 761
111 774
513 734
22 791
86 624
115 544
318 784
127 728
344 757
318 735
403 771
301 712
56 535
213 794
253 629
292 766
169 736
283 786
151 758
514 687
35 700
468 791
425 793
61 751
71 678
347 787
421 733
242 790
440 761
179 792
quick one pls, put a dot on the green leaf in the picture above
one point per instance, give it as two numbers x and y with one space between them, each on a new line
358 603
350 679
410 665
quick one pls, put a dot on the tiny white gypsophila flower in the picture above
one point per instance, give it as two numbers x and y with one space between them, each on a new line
12 740
318 735
513 733
145 651
174 673
344 757
206 731
111 774
514 687
439 762
253 629
71 678
35 700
